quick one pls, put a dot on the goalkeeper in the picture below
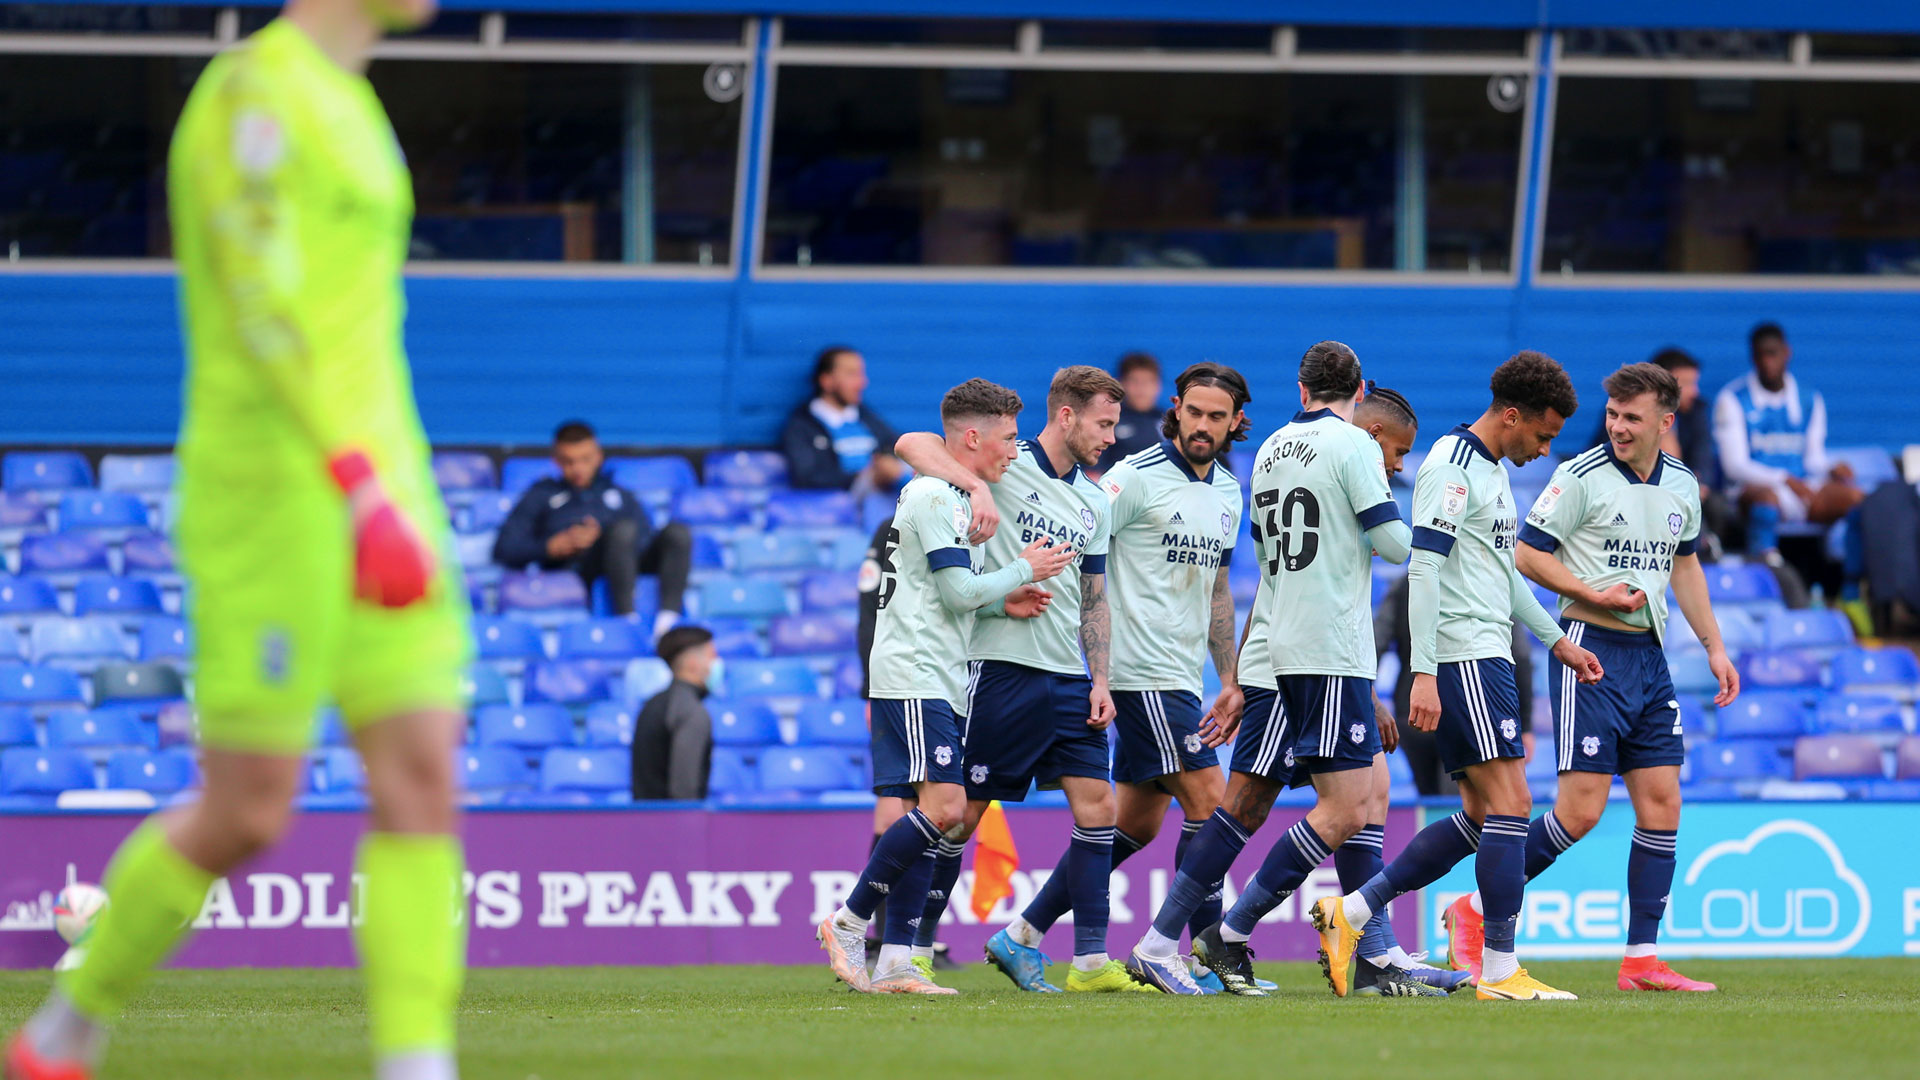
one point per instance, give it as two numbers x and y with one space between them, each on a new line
310 533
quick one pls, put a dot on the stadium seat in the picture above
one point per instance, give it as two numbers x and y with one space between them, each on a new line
497 638
492 769
1755 759
458 471
16 727
812 510
28 684
743 723
21 513
77 640
803 769
102 595
137 473
742 598
63 553
1759 714
708 552
593 771
644 678
517 474
566 682
607 638
119 681
528 727
484 686
745 469
26 771
1774 669
1892 670
1858 714
486 513
729 773
609 723
718 507
1692 674
28 596
340 771
811 635
834 590
13 644
737 639
849 678
161 773
1738 629
653 476
45 470
147 553
1837 757
1871 465
102 729
330 729
1812 628
834 723
1906 759
533 591
771 678
774 551
101 511
1741 584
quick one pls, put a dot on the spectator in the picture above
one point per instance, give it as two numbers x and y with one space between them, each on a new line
1691 440
1140 413
1771 434
584 523
834 441
673 735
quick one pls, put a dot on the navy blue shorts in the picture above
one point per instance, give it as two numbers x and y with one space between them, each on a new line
1330 721
1029 726
1264 744
1159 735
1626 721
1479 714
916 741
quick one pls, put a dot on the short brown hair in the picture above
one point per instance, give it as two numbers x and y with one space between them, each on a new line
1137 361
1534 382
1078 385
978 398
1636 379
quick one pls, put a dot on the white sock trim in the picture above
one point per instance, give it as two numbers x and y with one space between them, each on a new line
1023 933
893 956
1478 905
1158 945
1227 933
417 1065
1357 909
1090 962
1497 966
1637 952
849 920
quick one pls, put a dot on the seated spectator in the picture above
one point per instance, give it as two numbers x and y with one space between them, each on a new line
1771 435
673 735
832 441
1140 413
1691 440
584 523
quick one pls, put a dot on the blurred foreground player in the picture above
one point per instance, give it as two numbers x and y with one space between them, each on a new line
310 534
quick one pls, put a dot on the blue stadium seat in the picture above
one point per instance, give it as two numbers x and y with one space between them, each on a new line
77 640
484 686
16 727
848 551
708 552
742 598
774 551
12 645
1892 670
812 510
1759 714
21 512
533 591
811 635
1872 465
95 511
645 476
607 638
1775 669
63 553
463 470
45 470
566 682
138 473
28 596
1906 759
487 512
528 727
492 769
517 474
745 469
1741 584
147 553
834 723
120 681
834 590
849 678
803 769
730 774
27 684
25 771
712 506
77 729
160 773
644 678
737 639
1892 790
340 771
1755 759
330 729
743 723
103 595
593 771
1738 629
1692 674
497 638
1858 714
771 678
1812 628
609 723
1837 757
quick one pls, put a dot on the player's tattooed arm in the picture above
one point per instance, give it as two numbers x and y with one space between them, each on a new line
1096 626
1220 640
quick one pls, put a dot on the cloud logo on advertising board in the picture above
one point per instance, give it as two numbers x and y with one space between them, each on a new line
1783 890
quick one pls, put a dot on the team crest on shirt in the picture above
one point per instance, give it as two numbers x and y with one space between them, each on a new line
1087 518
1509 729
1193 744
1226 524
259 142
1673 524
1358 733
1289 757
1590 745
978 774
943 755
1455 500
869 578
960 516
274 648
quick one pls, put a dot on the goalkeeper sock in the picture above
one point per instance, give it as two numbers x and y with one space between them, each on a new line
412 949
153 892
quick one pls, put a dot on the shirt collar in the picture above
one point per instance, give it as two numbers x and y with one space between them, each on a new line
834 415
1626 470
1046 464
1787 392
1180 460
1317 414
1466 435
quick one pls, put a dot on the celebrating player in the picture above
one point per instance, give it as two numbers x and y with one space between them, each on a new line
1464 594
1615 526
929 594
309 531
1039 708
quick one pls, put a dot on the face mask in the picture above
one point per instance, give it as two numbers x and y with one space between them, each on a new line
717 677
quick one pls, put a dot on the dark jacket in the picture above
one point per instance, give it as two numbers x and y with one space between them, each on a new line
1136 431
550 507
811 461
673 744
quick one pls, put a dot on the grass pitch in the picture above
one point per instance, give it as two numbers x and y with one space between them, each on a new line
1824 1018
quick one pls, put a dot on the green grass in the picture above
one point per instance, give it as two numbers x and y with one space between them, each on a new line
1825 1018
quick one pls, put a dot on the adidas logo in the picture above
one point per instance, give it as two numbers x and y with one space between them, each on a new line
1499 502
1176 519
1033 496
882 889
1618 519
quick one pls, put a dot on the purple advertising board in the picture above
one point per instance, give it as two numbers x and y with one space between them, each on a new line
605 887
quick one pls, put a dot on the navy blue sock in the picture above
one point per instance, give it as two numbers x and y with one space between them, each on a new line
907 899
1208 912
1124 847
1357 862
1547 840
1432 852
1211 852
946 871
1086 868
1501 873
1649 879
1055 898
1286 866
899 846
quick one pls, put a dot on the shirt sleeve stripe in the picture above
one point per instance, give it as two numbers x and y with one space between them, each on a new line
1535 537
1093 564
1425 539
1379 515
1687 547
942 558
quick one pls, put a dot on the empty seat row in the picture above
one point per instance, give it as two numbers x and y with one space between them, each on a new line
46 686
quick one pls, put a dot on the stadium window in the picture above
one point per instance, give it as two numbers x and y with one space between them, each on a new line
107 19
1762 45
1167 37
542 26
446 26
1734 176
989 167
1380 39
1866 46
942 33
